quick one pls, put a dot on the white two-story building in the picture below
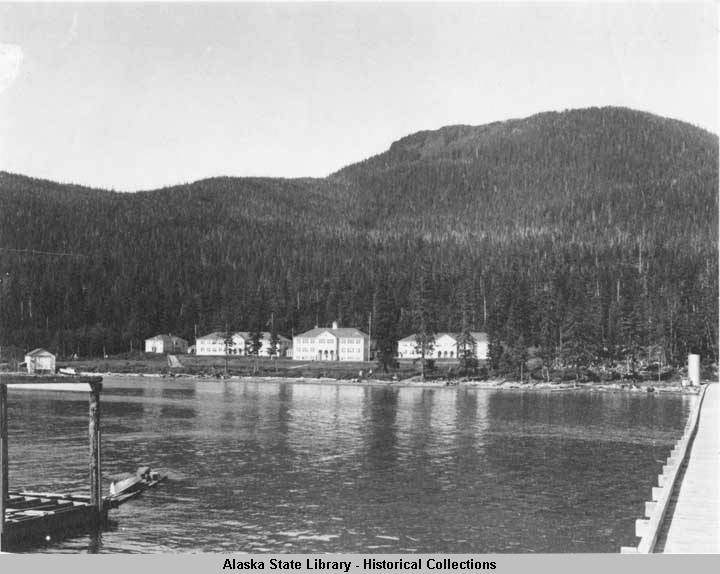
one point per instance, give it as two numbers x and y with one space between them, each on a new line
332 344
283 346
446 346
214 344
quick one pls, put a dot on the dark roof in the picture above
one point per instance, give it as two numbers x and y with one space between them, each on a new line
166 338
477 335
437 336
263 335
213 335
341 332
36 352
243 334
409 338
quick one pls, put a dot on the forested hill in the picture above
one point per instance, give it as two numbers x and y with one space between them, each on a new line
582 167
588 233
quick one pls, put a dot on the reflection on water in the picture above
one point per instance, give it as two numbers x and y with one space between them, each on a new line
263 466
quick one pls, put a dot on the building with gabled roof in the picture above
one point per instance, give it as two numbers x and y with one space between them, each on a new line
331 344
214 344
406 347
446 346
166 344
245 340
39 362
482 345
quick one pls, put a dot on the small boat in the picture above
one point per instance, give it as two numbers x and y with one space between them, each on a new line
133 486
67 371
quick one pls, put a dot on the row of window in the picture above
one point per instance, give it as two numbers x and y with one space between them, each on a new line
342 345
438 354
344 340
331 353
341 352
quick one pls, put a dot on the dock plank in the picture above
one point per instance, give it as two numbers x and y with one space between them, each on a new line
694 527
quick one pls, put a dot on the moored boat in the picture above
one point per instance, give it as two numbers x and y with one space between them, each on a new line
132 486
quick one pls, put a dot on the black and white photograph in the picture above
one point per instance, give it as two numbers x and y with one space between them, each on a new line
419 284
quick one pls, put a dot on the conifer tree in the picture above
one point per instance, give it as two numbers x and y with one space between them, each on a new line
423 317
547 321
385 326
273 349
258 322
517 357
495 352
631 328
466 345
229 343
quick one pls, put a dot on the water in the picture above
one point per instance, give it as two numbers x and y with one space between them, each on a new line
262 466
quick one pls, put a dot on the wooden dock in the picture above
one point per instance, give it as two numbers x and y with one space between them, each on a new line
693 525
25 518
684 513
31 520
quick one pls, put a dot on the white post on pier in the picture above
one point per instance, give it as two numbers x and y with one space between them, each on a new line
694 370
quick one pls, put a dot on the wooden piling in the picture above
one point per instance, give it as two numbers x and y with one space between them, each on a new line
3 464
95 463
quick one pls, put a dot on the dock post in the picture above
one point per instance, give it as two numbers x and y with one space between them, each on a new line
3 464
95 468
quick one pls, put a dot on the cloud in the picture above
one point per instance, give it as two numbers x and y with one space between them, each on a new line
72 32
11 57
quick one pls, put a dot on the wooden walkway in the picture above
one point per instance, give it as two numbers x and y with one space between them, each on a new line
693 527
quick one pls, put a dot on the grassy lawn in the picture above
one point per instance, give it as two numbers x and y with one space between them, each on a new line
147 363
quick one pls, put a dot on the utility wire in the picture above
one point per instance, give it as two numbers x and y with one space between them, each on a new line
38 252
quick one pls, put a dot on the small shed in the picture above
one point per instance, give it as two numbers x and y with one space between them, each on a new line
39 362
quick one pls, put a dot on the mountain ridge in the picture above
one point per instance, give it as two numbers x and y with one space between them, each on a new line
402 144
452 134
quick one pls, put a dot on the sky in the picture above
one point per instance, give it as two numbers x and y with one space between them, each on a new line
141 96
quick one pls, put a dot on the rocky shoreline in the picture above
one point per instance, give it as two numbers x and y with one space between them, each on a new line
494 384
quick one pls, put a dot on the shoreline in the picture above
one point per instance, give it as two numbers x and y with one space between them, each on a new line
493 384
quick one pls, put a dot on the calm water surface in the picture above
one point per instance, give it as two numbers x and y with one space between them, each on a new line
262 466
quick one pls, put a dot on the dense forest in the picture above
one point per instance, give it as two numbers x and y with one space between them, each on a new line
582 236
